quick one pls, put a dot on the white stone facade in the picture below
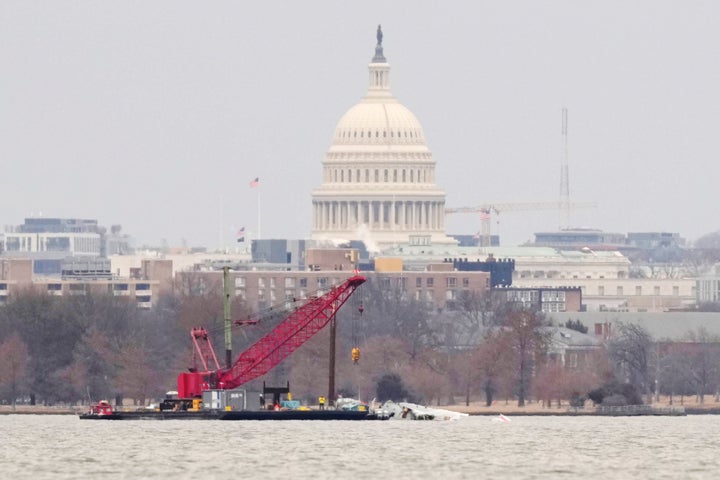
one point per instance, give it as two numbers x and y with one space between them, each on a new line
378 182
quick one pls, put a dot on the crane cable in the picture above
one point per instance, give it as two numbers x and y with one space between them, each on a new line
276 311
355 353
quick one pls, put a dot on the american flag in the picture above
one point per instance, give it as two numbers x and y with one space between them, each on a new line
241 235
254 182
484 215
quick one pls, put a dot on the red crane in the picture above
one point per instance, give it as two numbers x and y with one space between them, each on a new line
297 328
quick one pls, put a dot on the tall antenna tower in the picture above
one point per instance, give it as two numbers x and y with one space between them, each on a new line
564 180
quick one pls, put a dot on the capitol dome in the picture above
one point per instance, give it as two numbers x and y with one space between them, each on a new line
385 122
378 174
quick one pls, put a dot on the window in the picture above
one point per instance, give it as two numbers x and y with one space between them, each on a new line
142 286
573 360
289 282
638 290
303 283
239 282
601 290
418 282
322 282
619 291
552 296
466 282
656 291
451 282
430 282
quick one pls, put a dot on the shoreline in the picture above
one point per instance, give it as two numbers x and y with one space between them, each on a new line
691 407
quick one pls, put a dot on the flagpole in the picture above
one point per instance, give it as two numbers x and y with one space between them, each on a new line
222 221
259 235
256 184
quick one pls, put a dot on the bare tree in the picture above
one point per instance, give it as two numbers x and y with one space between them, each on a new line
527 342
493 361
633 353
700 362
12 374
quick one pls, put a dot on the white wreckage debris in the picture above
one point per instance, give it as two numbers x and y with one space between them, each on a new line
412 411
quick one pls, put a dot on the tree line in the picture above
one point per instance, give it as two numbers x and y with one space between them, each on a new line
76 349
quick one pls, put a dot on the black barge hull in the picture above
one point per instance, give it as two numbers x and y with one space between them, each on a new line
237 415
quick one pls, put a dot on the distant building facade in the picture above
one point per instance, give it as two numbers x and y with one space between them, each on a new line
143 289
263 289
543 299
49 241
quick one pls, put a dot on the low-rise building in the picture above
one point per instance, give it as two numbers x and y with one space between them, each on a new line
144 288
544 299
570 348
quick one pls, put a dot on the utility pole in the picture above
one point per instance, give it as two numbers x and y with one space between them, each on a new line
228 322
331 368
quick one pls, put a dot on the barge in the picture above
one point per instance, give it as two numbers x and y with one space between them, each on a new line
235 415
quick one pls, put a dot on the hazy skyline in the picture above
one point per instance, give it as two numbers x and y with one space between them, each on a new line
157 115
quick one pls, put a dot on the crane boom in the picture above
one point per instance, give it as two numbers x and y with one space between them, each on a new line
296 329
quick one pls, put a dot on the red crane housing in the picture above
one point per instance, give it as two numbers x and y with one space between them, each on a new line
296 329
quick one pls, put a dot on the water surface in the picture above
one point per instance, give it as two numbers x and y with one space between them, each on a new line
64 447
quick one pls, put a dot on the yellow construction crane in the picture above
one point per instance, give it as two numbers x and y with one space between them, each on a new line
488 209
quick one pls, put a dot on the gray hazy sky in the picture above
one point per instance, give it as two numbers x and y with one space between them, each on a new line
157 114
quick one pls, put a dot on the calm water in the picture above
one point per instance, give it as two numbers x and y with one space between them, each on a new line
63 447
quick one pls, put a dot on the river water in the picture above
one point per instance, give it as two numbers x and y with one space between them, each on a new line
64 447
